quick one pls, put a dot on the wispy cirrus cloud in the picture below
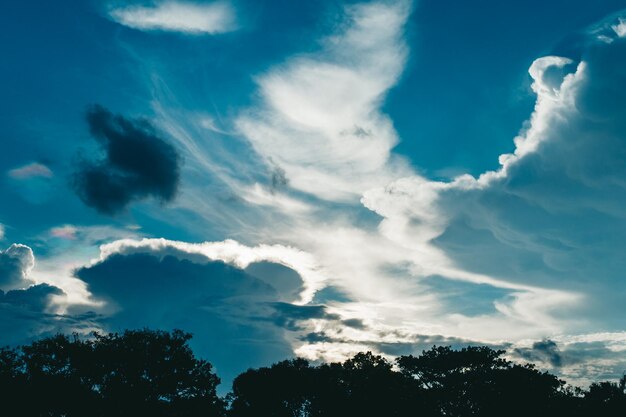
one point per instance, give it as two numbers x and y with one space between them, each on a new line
329 101
178 16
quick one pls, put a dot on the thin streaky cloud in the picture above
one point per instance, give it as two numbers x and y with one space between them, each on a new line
172 16
34 169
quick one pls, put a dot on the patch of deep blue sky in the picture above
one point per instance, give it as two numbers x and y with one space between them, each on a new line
463 97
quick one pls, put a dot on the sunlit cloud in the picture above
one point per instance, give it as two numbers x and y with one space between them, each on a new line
526 257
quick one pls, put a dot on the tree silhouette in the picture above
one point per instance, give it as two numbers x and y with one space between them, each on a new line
285 389
365 385
477 381
473 381
136 373
155 374
606 398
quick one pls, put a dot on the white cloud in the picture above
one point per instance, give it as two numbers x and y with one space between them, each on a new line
319 119
2 231
620 28
34 169
175 16
230 252
548 222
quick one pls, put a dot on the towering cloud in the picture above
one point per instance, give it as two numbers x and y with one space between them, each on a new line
549 224
137 163
237 310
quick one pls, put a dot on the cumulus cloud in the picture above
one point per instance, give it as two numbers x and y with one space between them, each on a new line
35 298
551 218
16 262
27 310
239 255
34 169
238 310
178 16
28 314
137 164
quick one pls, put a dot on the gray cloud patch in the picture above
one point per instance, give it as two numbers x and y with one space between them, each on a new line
285 281
290 316
137 163
278 178
355 323
35 298
544 351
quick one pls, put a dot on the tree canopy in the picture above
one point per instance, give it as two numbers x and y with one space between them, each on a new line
155 373
136 373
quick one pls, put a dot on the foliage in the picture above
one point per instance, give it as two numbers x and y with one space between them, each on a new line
154 373
136 373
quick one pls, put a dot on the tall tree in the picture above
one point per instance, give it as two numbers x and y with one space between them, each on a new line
136 373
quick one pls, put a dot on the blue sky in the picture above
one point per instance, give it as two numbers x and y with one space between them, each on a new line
318 178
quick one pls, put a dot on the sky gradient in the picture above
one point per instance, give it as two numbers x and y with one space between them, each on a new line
318 178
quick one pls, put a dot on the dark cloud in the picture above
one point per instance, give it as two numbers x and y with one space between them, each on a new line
35 298
406 345
331 293
138 163
230 311
25 316
316 337
544 351
279 178
355 324
287 282
15 263
291 316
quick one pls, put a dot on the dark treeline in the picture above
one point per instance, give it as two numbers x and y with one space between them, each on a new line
154 373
